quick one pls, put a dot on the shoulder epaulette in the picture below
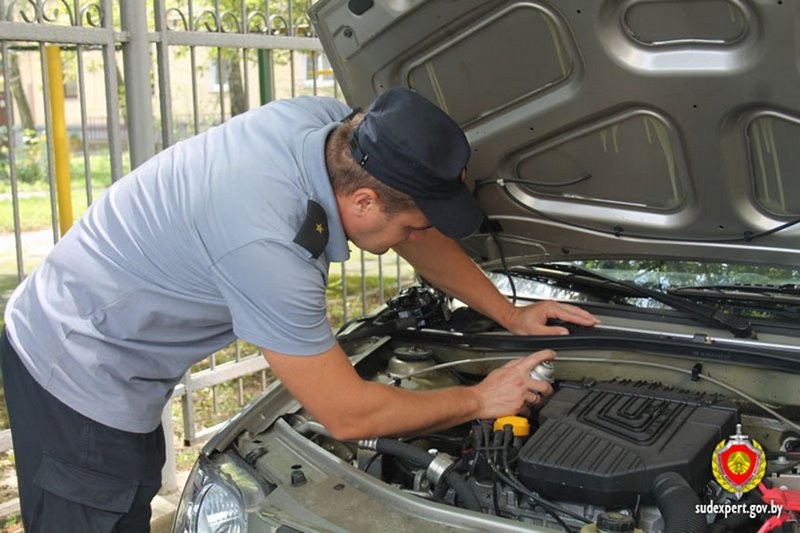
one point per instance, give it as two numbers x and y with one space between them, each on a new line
313 234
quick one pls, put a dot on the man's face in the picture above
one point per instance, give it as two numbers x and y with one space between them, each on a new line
388 231
371 229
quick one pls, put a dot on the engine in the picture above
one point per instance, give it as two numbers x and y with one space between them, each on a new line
611 441
600 452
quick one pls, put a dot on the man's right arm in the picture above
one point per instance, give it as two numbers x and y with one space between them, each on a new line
351 408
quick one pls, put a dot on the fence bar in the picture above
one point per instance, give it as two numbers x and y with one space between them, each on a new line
87 162
380 279
344 293
112 97
186 389
363 284
245 74
164 86
15 31
48 128
59 143
12 161
169 472
139 103
265 78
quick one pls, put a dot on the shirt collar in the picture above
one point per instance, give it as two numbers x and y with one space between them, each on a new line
337 249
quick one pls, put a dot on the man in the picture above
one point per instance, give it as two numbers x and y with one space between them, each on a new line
229 234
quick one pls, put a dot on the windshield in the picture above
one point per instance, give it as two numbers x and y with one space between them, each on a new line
752 291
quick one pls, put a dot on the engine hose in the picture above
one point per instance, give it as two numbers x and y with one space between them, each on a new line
410 453
422 459
466 496
676 500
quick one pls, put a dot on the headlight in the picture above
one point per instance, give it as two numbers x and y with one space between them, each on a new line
219 511
217 496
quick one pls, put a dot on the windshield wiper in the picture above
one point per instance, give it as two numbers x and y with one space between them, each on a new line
738 326
787 293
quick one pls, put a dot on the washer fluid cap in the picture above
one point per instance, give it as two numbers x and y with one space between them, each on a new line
413 353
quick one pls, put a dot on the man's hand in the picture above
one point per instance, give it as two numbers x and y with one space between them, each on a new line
444 264
532 319
510 389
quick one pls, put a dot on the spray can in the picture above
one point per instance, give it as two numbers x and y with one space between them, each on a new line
544 371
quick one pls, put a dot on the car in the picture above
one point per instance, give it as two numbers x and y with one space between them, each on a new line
636 158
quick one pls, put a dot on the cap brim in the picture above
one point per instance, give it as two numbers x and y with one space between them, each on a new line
457 217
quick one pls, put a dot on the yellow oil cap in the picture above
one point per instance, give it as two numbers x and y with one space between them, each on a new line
519 425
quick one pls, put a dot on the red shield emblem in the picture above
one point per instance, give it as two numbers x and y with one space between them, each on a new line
739 463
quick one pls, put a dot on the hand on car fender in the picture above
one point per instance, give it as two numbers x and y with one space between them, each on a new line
511 390
532 319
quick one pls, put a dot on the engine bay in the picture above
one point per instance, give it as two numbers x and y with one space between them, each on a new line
618 455
626 443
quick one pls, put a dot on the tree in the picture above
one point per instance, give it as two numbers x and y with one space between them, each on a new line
235 87
232 56
15 83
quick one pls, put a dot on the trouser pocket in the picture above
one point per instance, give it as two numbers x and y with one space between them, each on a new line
79 499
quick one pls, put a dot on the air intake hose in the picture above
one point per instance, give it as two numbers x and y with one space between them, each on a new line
676 500
438 467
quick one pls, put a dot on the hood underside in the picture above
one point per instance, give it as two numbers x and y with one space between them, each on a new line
659 128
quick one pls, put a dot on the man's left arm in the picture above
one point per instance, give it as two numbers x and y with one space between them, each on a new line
443 262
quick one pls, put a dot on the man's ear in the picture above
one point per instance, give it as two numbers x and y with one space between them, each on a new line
363 200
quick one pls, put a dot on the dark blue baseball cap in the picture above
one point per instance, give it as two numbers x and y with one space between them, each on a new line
411 145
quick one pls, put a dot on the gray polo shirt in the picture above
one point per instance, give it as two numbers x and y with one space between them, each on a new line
189 251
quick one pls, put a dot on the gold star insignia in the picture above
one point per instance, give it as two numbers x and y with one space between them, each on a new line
320 228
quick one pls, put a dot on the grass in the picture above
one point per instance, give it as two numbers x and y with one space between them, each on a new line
35 208
35 212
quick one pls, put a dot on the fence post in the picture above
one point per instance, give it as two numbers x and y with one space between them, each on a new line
169 473
138 97
60 144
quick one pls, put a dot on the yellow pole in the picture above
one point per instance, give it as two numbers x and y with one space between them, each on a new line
60 141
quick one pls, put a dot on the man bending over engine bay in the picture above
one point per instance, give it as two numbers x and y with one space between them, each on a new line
230 234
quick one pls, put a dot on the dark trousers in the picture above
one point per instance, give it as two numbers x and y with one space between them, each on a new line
75 474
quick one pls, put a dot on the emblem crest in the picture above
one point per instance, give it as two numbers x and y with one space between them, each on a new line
738 463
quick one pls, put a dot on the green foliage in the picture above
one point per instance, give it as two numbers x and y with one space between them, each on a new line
3 150
30 157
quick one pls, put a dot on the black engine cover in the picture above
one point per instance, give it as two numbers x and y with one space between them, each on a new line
605 443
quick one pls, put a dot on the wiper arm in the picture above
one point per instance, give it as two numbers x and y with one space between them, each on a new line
738 326
787 293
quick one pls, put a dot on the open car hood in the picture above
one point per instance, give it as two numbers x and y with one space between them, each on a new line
606 128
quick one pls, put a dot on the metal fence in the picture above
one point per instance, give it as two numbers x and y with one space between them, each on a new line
154 73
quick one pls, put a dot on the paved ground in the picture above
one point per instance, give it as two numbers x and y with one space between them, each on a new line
35 246
164 506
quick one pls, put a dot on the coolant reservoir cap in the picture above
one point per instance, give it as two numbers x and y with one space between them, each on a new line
519 425
615 522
